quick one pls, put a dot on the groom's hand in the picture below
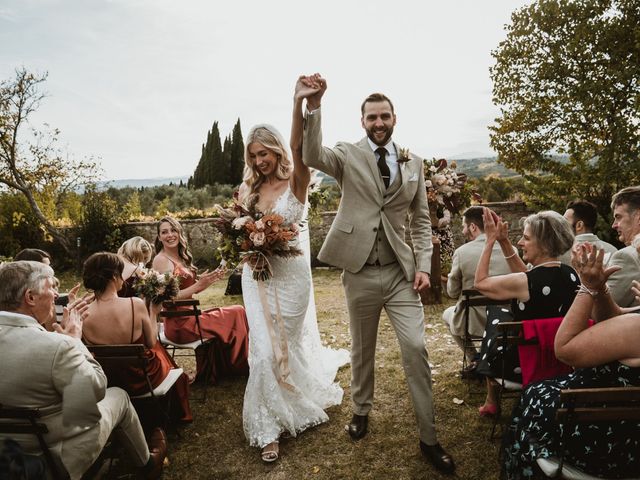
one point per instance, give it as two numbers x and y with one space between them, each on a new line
421 281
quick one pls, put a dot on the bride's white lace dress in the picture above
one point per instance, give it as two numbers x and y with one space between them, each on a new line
271 408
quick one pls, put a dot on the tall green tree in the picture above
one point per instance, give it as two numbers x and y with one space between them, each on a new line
567 81
31 163
237 155
222 174
210 160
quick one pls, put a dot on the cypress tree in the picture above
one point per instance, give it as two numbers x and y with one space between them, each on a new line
237 155
214 164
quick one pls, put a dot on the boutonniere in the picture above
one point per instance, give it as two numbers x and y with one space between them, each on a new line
404 155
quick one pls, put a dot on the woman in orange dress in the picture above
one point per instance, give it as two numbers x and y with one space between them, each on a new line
113 320
227 324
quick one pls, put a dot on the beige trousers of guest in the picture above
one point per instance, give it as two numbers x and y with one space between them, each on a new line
447 318
368 292
117 416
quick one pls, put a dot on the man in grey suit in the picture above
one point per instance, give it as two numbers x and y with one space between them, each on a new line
582 215
462 275
626 221
55 373
381 185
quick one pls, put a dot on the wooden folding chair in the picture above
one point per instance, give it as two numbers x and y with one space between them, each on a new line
114 358
510 334
589 405
473 298
18 420
198 348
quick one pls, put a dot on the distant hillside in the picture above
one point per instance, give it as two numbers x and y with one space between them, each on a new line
143 182
481 167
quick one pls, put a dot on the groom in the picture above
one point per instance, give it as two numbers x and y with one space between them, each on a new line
381 184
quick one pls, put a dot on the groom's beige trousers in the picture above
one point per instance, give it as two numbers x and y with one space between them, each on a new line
367 292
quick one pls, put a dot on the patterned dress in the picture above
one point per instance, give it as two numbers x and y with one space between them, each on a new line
551 293
609 450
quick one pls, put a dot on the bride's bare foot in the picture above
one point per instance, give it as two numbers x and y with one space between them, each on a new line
270 452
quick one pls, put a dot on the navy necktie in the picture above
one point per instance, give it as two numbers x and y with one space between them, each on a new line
382 165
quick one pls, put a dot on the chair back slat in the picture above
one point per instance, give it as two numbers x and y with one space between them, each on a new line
180 313
189 302
20 420
599 395
595 414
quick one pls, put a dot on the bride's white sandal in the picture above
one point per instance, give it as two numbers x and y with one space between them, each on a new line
270 452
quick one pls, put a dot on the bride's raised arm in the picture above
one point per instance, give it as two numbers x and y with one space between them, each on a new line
306 87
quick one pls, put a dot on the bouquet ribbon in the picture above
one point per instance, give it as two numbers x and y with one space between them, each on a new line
279 345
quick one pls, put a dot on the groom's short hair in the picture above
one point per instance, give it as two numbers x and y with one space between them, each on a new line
376 97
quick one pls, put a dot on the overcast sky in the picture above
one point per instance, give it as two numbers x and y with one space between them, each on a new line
137 83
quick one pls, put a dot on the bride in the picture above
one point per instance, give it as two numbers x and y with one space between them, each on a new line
291 375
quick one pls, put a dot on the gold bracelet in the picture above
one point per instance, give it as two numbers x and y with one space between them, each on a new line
510 256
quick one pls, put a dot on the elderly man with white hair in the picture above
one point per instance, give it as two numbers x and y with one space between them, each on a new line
55 373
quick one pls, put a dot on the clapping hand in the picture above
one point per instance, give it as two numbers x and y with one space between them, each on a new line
635 288
72 317
587 260
207 278
495 229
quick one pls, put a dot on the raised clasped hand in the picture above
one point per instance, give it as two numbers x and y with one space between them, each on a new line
311 87
587 260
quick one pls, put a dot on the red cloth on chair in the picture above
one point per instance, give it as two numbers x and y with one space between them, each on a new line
539 362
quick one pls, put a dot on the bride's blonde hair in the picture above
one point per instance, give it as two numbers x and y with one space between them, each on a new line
271 139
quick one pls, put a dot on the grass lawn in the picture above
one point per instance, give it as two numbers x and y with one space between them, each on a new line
214 447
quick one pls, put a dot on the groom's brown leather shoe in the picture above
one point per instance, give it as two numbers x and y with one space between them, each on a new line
358 426
438 457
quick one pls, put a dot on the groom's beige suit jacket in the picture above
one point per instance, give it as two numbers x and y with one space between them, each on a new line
364 208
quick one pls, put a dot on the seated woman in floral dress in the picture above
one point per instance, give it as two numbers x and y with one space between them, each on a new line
605 355
227 324
113 320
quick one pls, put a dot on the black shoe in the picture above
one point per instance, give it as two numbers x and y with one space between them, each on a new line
358 426
438 457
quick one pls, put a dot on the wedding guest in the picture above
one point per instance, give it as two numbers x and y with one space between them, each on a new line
605 355
545 290
582 215
34 254
55 373
114 320
286 395
227 324
382 186
462 275
136 253
626 221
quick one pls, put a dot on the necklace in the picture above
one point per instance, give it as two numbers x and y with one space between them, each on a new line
555 262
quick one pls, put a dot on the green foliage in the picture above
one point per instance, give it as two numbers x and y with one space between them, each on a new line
218 165
100 228
494 188
31 161
18 226
566 82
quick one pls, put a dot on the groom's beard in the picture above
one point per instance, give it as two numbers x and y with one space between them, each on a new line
380 141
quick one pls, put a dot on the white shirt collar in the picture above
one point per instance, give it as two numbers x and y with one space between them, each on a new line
389 146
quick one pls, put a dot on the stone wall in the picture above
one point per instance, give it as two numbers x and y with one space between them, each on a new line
201 234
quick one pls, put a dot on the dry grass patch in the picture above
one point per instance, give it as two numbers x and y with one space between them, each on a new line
214 446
